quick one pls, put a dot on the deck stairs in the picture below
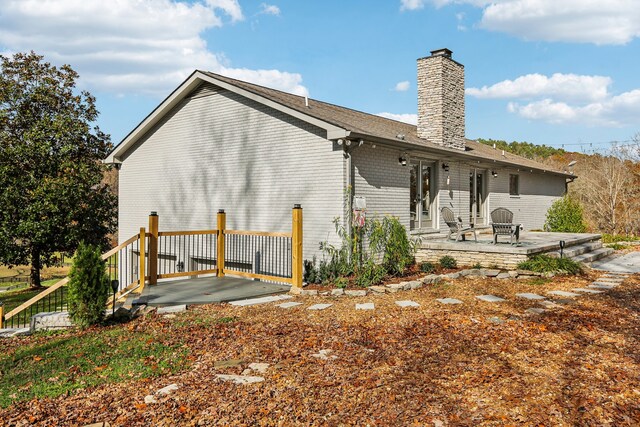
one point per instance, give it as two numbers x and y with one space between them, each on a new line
585 252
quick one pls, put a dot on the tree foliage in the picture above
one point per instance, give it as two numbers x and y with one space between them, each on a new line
524 149
88 287
51 191
565 215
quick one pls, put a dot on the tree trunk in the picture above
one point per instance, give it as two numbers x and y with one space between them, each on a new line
35 269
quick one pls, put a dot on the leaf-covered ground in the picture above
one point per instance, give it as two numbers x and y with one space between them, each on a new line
430 365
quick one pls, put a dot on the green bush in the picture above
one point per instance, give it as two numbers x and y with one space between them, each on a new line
370 274
448 262
341 282
477 265
88 287
547 264
617 238
427 267
398 248
565 215
617 246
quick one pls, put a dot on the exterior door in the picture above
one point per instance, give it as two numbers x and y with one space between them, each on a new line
421 192
476 197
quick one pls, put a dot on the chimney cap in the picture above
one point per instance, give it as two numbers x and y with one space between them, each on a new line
442 52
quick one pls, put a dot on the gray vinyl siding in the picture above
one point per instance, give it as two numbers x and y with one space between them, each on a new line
454 195
537 192
218 150
382 181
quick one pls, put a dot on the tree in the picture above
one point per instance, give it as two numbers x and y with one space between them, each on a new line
88 287
51 190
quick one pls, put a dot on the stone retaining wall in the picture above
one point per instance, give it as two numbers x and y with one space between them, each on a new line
470 258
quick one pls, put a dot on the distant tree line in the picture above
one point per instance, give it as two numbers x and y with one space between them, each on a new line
524 149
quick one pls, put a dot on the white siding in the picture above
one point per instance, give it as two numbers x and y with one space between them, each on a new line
222 151
537 192
454 195
382 181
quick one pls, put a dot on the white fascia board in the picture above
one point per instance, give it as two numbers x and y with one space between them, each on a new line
191 83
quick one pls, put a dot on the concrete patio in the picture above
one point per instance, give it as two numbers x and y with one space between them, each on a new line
206 290
580 246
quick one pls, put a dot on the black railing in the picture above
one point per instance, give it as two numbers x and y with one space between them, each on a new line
183 253
54 301
261 254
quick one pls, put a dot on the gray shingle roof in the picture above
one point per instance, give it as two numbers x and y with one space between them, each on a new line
381 128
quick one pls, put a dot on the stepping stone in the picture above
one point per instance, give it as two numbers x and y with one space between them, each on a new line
365 306
324 355
407 303
378 289
289 304
587 291
172 309
262 300
496 320
612 284
611 279
601 286
528 295
337 292
563 294
356 292
319 306
535 310
489 298
449 301
549 304
240 379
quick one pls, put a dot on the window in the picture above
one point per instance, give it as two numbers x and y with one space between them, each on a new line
514 185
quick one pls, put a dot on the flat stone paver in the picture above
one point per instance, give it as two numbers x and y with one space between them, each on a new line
612 284
449 301
407 303
563 294
628 263
261 300
172 309
601 286
240 379
365 306
489 298
535 310
289 304
528 295
611 279
319 306
549 304
587 291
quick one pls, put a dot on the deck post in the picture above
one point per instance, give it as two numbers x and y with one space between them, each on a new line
296 248
1 315
222 224
142 268
153 248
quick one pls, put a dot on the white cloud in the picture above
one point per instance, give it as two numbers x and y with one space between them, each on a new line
402 86
127 47
269 9
412 119
581 21
558 86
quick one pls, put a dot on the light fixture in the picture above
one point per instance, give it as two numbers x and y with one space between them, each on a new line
402 160
400 136
445 166
448 180
572 163
494 174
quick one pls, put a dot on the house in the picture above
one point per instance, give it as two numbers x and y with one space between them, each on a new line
220 143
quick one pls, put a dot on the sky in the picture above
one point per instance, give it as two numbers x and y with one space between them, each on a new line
556 72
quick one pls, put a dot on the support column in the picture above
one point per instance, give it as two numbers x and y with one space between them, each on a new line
153 248
296 248
222 225
141 267
1 315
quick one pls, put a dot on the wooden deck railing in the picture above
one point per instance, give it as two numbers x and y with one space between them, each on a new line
149 256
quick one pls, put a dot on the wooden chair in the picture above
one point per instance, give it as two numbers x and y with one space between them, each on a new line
455 225
502 224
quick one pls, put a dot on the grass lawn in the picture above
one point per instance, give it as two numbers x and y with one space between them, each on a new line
13 298
472 364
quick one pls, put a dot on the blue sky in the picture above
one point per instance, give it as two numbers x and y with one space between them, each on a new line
544 71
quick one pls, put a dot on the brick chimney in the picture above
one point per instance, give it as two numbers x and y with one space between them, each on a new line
441 99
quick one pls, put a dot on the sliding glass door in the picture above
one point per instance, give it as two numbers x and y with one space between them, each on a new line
421 192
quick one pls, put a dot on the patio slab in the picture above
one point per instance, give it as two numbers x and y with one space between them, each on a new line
628 263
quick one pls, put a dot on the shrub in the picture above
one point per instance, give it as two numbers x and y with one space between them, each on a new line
448 262
341 282
88 287
617 238
565 215
427 267
369 274
547 264
398 248
310 274
477 265
617 246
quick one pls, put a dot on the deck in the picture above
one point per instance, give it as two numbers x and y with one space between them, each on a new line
206 290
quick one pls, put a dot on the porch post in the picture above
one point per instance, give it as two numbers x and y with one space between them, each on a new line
296 248
1 315
153 248
141 267
222 225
